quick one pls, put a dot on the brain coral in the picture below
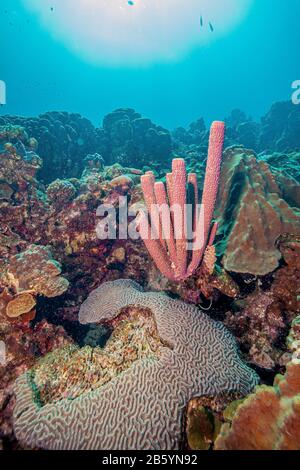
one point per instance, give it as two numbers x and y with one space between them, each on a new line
143 407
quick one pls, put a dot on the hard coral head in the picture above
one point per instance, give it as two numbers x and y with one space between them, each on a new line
105 303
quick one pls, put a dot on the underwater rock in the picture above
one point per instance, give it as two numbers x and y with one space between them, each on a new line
198 356
252 214
269 419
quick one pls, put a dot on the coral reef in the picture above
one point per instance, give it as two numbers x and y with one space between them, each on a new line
278 131
64 139
35 270
280 128
285 163
51 258
269 419
186 367
27 275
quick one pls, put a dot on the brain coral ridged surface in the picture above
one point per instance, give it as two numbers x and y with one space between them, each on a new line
143 407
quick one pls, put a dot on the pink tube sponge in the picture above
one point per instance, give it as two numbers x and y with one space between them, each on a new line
171 252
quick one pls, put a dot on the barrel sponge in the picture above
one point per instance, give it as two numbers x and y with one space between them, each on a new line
143 407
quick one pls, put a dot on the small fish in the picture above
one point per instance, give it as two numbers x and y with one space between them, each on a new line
211 27
52 8
201 21
130 2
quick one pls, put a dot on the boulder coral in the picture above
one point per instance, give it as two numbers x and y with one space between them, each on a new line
252 213
198 356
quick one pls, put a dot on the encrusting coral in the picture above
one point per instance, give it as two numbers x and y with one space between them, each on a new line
269 419
167 208
197 356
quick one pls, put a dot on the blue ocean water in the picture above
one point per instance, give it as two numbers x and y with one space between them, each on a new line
249 67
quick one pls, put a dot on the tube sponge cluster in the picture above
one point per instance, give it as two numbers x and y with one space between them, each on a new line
165 235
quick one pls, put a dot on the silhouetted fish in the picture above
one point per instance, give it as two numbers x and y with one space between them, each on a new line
201 21
130 2
211 27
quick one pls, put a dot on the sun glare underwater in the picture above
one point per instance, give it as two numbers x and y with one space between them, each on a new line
138 32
